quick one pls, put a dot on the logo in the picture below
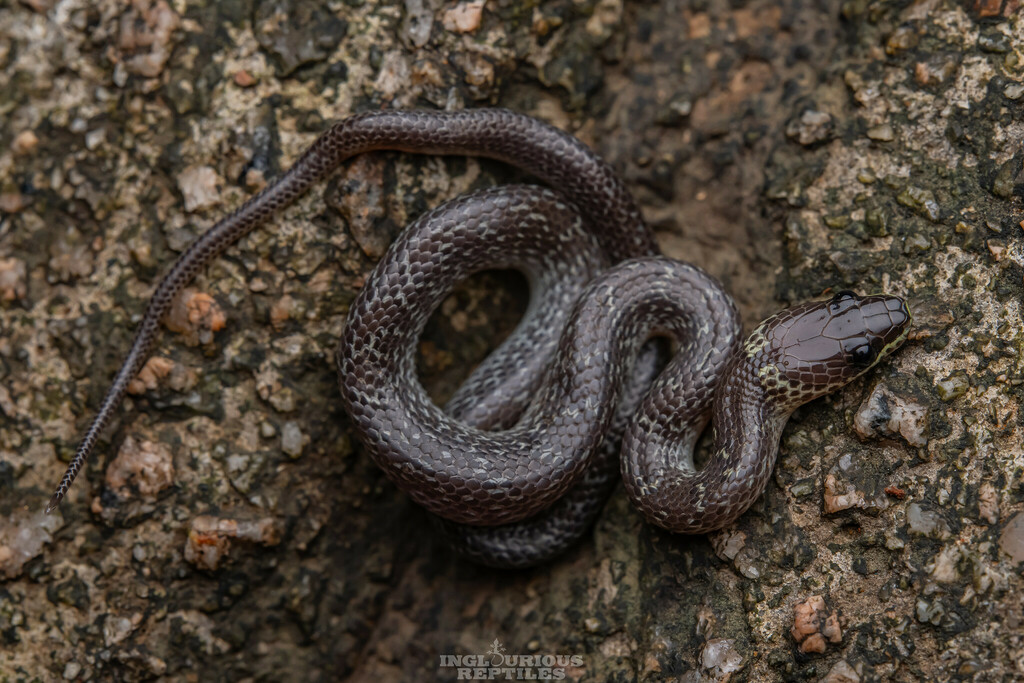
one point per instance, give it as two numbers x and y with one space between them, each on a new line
497 650
497 665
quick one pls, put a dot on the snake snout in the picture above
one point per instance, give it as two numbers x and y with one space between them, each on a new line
886 322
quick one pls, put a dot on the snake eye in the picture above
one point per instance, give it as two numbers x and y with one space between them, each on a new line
863 355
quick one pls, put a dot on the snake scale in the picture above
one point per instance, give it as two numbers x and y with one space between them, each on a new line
518 464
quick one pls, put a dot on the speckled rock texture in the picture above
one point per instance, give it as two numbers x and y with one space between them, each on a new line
230 529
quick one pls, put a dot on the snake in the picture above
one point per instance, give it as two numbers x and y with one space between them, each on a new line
516 467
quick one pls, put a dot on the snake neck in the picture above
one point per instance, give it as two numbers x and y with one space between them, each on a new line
747 425
660 475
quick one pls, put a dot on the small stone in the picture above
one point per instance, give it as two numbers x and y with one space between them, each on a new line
543 24
298 32
1013 91
95 138
607 15
362 204
810 128
996 249
813 624
837 222
40 6
24 142
281 310
996 43
196 316
144 39
1011 541
804 487
72 670
12 202
116 629
840 497
23 533
746 565
884 414
419 22
209 538
464 17
728 544
282 398
988 502
70 256
896 492
120 75
12 279
935 70
142 467
943 567
142 252
970 667
156 666
479 71
720 656
902 39
922 201
674 112
882 133
267 430
841 672
952 387
258 284
155 369
929 612
292 439
840 494
925 522
244 79
1003 183
651 664
200 186
892 541
206 549
255 180
988 8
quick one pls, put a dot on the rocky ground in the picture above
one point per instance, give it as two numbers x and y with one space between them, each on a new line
229 529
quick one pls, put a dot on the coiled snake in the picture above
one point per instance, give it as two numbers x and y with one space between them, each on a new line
520 461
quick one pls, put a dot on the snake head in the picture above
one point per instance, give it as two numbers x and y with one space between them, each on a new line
812 349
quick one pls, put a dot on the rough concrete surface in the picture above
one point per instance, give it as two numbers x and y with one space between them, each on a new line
229 529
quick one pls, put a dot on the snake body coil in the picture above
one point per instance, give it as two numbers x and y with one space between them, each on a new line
520 461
